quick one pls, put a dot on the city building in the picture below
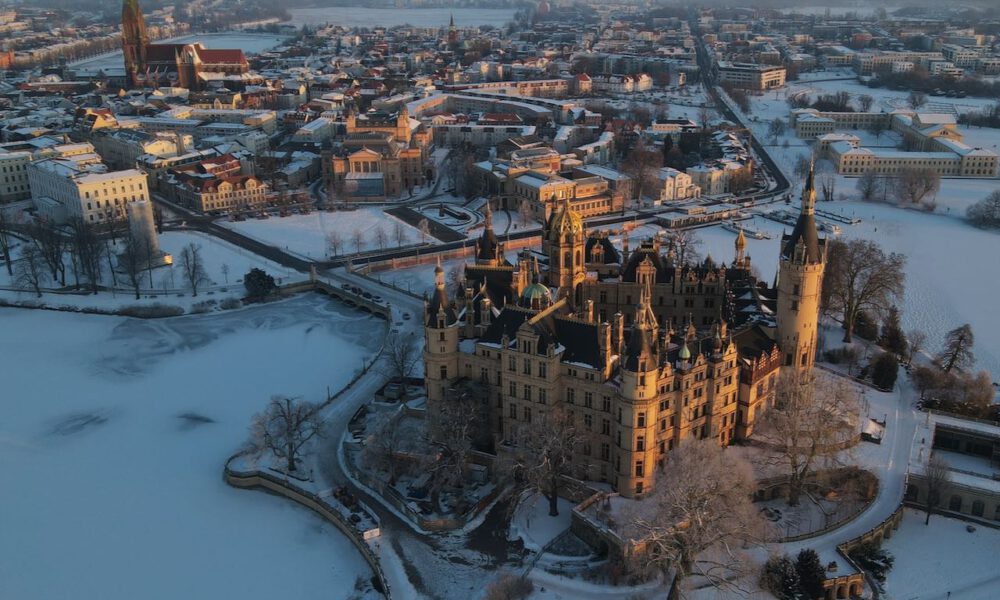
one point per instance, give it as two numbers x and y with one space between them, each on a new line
14 173
71 181
751 76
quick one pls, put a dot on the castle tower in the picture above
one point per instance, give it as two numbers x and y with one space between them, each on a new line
640 366
566 242
441 330
134 40
800 277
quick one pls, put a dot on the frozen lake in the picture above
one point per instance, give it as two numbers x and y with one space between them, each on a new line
356 16
249 43
113 434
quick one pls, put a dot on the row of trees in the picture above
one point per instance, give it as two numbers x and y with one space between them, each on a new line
911 187
335 241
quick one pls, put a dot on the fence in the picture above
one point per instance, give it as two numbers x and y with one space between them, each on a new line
259 479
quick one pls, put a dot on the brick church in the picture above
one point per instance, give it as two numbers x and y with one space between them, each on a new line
642 350
189 66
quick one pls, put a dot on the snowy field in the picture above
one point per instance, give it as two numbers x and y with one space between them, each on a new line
357 16
924 572
307 235
114 467
250 43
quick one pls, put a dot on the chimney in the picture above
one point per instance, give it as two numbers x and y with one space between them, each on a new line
588 310
618 332
604 340
487 312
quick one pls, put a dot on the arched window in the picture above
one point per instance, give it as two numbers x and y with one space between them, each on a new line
977 508
955 503
444 371
567 260
579 260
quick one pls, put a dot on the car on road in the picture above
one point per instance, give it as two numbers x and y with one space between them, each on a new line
406 316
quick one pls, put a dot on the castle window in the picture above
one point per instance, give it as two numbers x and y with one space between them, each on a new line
512 389
795 289
588 399
606 454
639 472
542 369
606 404
640 444
527 414
444 372
641 420
527 366
527 392
795 305
513 411
588 421
605 427
570 395
543 396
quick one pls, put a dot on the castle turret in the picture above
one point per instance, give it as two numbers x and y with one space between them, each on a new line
489 250
800 277
741 246
441 340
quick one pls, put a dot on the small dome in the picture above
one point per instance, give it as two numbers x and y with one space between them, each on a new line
536 295
685 353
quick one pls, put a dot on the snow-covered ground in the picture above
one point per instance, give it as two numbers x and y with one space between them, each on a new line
113 485
168 282
308 235
942 557
533 525
357 16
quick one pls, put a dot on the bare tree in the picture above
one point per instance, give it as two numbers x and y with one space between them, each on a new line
52 247
957 351
357 239
877 128
913 185
225 272
131 260
985 213
29 272
193 267
937 474
808 425
683 243
402 357
827 186
698 517
642 166
88 250
865 102
451 424
285 426
868 185
544 451
861 277
776 129
383 445
399 233
916 99
381 237
802 166
425 230
917 342
334 243
5 243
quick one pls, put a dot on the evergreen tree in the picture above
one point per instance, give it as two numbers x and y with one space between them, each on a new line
780 577
668 145
873 559
811 573
885 368
259 284
957 350
893 339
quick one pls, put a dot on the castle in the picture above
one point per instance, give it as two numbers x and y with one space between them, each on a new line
189 66
641 350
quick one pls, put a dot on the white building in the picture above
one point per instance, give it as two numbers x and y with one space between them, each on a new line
71 181
676 185
14 176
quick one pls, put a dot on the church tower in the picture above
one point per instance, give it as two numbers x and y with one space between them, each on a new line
566 241
441 330
134 41
452 32
800 277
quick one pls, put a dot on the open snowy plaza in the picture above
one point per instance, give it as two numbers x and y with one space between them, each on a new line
115 431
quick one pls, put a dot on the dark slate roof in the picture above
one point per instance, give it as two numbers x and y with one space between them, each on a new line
581 341
438 300
753 342
609 255
487 245
805 228
506 323
664 271
499 282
